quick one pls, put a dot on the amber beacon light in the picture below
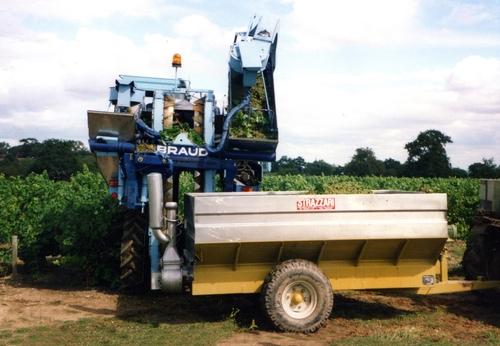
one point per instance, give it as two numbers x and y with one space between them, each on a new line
176 60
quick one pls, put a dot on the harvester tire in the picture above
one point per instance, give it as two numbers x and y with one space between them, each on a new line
482 255
474 262
297 297
134 260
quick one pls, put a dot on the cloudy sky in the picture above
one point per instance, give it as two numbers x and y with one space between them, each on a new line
350 73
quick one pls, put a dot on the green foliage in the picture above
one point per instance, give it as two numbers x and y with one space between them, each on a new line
364 163
463 194
255 123
320 167
427 155
458 172
74 218
59 158
60 217
484 169
171 133
12 166
393 168
250 125
287 165
4 148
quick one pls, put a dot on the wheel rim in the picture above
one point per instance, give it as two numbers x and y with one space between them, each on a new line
299 299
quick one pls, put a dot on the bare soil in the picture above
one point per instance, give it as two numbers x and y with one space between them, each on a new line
465 318
22 306
369 317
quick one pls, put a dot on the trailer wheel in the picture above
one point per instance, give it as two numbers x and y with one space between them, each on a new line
134 260
297 297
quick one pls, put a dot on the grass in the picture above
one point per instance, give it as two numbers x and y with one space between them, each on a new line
411 335
456 251
113 331
359 318
395 339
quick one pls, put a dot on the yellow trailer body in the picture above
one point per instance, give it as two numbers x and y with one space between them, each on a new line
366 241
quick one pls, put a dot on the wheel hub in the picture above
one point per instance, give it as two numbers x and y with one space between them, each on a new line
299 299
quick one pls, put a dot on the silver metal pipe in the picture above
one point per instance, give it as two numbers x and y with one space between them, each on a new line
155 192
162 237
171 219
171 272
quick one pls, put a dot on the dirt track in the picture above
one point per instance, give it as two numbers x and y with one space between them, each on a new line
466 318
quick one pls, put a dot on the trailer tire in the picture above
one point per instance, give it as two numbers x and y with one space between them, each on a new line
134 259
297 297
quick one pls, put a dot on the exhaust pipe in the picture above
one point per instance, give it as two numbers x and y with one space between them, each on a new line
155 192
171 271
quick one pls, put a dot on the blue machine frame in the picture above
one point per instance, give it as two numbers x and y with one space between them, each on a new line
252 54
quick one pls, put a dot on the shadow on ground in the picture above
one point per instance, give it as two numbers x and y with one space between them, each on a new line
482 306
157 307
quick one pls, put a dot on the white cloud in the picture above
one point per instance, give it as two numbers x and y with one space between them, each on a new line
385 112
475 80
50 81
200 29
470 14
86 10
325 25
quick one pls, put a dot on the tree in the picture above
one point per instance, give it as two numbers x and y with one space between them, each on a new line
364 163
4 149
288 165
27 148
393 168
319 167
57 157
60 158
458 172
427 155
484 169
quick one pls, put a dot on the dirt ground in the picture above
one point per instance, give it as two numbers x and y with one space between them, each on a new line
465 318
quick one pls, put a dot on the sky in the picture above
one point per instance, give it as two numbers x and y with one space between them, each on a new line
349 74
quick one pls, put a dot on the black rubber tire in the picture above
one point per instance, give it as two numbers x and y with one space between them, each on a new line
276 282
134 254
494 267
473 261
482 255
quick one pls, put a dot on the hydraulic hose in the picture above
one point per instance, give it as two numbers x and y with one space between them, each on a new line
227 123
148 131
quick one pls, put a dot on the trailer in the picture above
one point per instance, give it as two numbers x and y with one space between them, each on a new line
296 248
293 248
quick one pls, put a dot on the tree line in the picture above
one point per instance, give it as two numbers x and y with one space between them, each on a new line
426 158
59 158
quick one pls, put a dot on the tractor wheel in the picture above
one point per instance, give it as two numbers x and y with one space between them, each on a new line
134 260
494 267
297 297
474 260
493 272
482 255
